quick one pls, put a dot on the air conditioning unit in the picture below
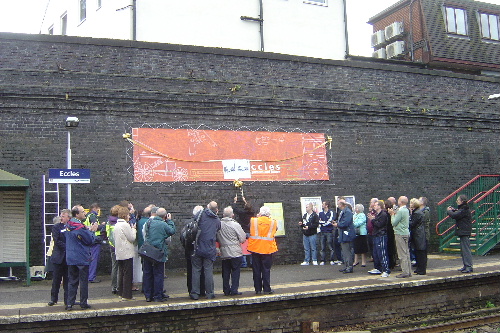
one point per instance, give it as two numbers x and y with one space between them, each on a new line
378 38
394 30
380 53
395 49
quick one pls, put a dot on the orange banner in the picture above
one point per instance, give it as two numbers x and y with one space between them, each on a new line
184 155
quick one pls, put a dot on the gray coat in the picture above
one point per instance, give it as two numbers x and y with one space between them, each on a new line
230 237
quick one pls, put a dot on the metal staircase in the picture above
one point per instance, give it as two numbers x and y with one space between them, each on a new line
483 192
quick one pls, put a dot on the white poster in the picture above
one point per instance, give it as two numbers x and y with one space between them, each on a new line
316 201
236 169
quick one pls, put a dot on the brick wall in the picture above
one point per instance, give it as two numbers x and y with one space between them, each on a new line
413 28
397 130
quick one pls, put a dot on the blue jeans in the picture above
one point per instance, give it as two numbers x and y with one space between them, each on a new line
310 248
152 280
326 238
380 253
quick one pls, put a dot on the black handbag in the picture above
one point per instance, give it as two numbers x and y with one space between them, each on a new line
148 251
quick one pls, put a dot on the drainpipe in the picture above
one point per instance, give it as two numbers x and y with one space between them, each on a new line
344 3
261 24
411 31
259 19
134 19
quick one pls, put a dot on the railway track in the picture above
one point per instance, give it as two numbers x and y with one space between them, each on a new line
445 324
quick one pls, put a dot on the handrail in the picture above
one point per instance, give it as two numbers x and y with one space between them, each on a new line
488 193
464 186
446 231
449 229
453 226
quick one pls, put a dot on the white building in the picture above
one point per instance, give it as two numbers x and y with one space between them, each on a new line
314 28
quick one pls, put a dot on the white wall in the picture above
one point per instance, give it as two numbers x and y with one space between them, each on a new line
290 26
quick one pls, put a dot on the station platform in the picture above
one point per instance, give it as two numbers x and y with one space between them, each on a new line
297 290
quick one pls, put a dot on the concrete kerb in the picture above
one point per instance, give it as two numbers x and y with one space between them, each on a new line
82 314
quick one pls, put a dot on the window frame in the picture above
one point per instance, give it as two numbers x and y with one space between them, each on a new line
323 3
82 10
456 22
480 23
64 24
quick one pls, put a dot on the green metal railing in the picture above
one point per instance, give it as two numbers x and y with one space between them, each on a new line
487 220
475 190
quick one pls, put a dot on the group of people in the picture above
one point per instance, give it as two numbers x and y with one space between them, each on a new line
206 237
76 236
389 231
74 258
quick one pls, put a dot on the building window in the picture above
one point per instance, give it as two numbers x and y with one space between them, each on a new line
51 30
317 2
489 26
456 20
64 24
83 10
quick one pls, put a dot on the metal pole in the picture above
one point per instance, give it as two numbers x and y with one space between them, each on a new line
69 167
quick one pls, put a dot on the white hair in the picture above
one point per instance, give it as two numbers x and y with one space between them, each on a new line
197 209
359 208
265 211
228 212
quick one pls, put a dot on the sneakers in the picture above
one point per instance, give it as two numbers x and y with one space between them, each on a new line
305 263
322 263
315 263
385 274
332 263
338 262
374 271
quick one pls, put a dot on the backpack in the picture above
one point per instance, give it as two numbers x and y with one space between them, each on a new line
189 232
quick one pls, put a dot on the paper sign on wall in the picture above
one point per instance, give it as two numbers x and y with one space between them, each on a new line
236 169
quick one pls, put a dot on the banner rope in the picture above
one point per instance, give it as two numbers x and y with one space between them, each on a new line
128 137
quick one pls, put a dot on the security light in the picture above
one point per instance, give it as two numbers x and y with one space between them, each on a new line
72 122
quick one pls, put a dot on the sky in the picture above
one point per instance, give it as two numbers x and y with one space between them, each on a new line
26 16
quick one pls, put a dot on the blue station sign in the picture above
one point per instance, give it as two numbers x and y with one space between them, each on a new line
69 176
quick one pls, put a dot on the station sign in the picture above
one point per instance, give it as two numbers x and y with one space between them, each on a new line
69 176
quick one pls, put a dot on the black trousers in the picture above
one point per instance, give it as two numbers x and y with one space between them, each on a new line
125 277
60 273
78 276
231 275
261 266
421 258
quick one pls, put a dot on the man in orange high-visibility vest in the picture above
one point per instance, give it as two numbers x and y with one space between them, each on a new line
262 245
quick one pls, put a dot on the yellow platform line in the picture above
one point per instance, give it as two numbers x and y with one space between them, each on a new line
368 277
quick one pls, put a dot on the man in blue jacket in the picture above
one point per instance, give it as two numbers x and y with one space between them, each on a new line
78 242
347 234
205 251
58 259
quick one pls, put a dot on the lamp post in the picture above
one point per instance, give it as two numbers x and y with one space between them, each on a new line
71 122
